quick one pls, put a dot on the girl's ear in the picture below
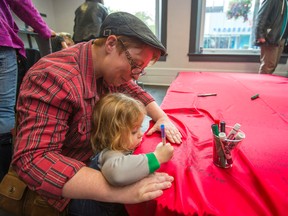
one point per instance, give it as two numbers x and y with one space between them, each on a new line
111 43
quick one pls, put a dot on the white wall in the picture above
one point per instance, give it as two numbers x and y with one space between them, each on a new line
64 10
61 18
46 7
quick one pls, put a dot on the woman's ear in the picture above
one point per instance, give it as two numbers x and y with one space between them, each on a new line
111 43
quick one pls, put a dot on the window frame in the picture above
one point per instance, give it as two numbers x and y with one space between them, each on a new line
196 22
161 20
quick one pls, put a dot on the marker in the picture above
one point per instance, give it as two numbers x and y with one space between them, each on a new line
233 131
163 136
225 148
239 136
222 126
255 97
207 95
215 129
237 139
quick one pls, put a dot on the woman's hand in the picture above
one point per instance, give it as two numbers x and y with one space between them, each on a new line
53 33
146 189
172 133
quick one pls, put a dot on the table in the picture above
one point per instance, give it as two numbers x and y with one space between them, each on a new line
257 184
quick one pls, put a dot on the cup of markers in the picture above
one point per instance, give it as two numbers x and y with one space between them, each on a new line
225 140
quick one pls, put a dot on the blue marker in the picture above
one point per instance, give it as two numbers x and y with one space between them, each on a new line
163 136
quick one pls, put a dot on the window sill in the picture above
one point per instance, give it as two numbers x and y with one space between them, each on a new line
204 57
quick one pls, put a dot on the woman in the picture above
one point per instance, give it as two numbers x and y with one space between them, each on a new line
55 107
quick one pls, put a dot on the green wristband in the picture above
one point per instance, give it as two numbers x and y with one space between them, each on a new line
153 163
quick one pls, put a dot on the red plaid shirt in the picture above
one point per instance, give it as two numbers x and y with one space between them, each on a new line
55 107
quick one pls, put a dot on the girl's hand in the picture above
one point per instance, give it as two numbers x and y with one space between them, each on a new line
164 153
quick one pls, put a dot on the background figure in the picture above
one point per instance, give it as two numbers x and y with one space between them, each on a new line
10 46
68 38
115 133
271 33
61 41
88 18
58 43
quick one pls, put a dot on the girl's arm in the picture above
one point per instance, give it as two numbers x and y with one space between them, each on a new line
120 169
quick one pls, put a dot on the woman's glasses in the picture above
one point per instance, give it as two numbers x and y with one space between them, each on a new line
135 69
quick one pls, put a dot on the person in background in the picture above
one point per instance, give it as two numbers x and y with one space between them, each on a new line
52 148
116 132
271 33
68 38
61 41
88 18
10 46
58 43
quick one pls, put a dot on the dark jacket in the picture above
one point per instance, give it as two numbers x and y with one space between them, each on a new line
88 19
269 21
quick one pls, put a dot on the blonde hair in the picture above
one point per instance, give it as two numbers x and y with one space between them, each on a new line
114 117
130 42
67 37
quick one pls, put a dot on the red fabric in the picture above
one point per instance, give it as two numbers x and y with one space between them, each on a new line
257 184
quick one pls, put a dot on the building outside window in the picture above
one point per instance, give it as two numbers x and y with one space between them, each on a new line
228 24
223 30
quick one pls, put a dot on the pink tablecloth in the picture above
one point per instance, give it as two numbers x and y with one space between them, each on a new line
257 184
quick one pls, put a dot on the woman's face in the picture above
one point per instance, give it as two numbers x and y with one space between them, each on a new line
119 71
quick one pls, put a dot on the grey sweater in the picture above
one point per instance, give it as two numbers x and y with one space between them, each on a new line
123 168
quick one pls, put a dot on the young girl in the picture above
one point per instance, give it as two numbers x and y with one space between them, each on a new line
116 132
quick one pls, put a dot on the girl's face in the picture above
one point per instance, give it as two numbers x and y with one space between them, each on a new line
136 138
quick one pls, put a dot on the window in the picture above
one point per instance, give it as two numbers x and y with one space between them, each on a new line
234 20
222 30
151 12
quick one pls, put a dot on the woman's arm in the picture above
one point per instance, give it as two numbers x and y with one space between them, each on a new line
89 183
29 14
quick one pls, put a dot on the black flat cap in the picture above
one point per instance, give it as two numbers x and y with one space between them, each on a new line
122 23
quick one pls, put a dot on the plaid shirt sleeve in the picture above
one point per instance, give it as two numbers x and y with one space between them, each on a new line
52 141
135 91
